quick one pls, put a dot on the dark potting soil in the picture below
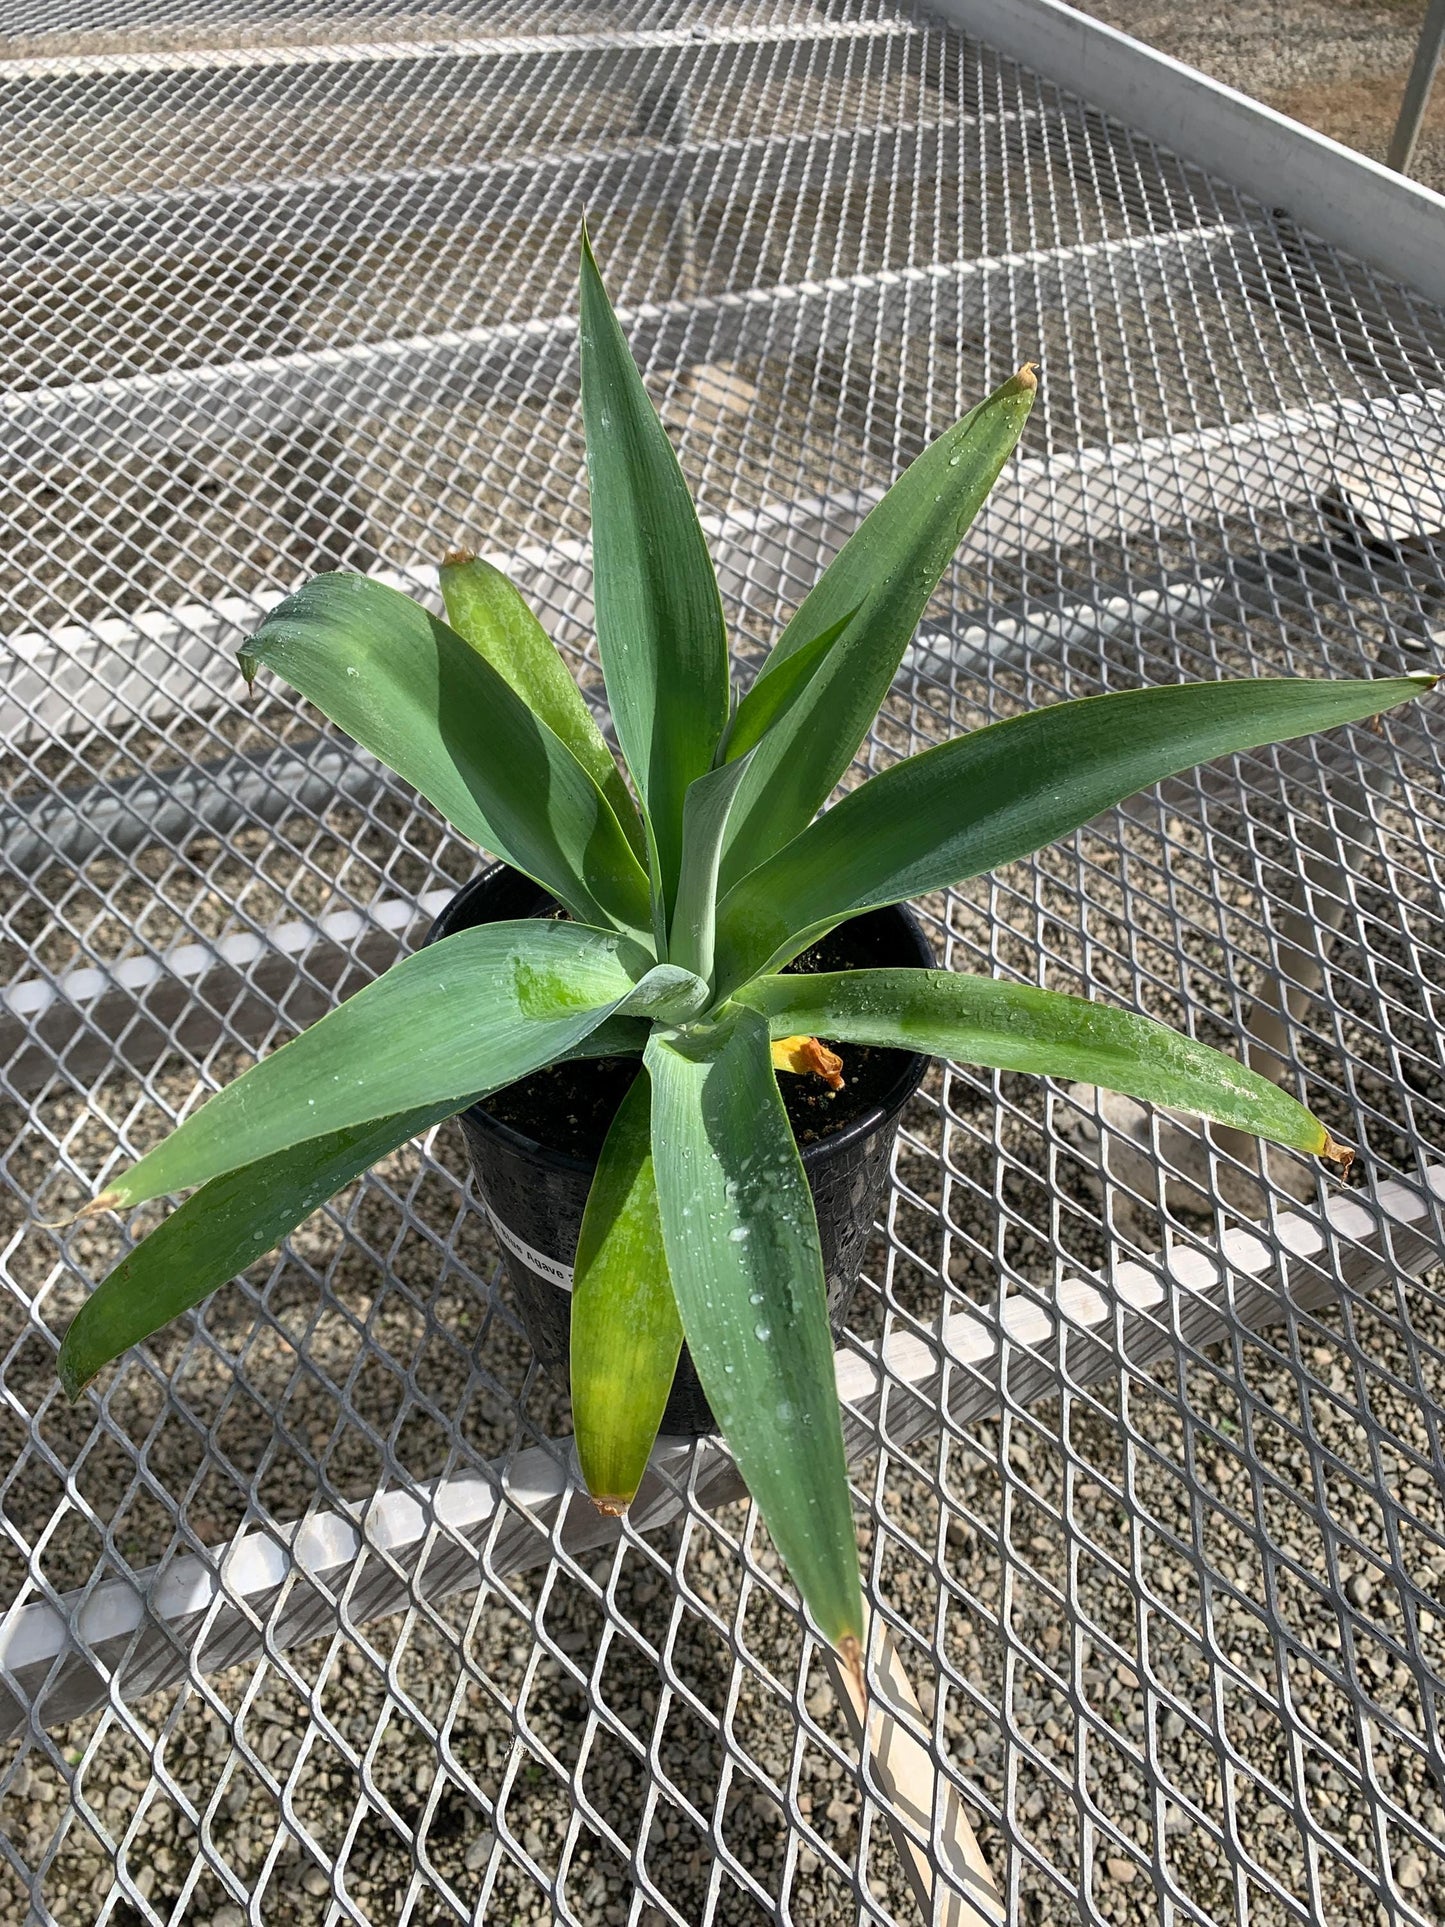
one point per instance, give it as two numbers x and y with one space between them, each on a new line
568 1107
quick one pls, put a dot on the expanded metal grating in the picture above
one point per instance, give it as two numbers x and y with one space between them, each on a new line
310 1622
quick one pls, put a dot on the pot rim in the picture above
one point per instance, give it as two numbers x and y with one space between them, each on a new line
821 1151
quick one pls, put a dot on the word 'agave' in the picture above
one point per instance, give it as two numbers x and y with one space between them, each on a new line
682 909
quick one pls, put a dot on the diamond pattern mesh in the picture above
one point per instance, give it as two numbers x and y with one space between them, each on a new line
307 1620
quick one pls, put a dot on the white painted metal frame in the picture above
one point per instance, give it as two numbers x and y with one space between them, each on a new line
1357 203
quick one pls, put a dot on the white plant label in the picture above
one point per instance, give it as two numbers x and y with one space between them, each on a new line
552 1269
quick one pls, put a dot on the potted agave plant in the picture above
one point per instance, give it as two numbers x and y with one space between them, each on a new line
686 965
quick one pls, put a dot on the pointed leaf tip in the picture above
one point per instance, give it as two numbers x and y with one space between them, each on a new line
72 1384
104 1201
216 1234
850 1651
1341 1154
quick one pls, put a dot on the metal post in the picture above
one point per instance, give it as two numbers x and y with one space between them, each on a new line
1417 88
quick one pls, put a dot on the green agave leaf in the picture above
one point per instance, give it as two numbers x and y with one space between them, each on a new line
1002 792
668 994
660 628
884 577
226 1226
435 710
232 1221
779 685
742 1249
625 1331
617 1037
487 610
1015 1027
465 1015
704 822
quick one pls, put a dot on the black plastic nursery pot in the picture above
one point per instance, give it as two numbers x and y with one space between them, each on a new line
534 1146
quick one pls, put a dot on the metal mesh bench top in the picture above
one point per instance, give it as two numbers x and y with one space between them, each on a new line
305 1616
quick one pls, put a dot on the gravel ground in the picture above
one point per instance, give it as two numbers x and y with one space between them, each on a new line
1338 65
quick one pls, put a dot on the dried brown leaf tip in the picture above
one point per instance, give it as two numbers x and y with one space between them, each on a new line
458 558
850 1652
1340 1154
804 1054
107 1201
